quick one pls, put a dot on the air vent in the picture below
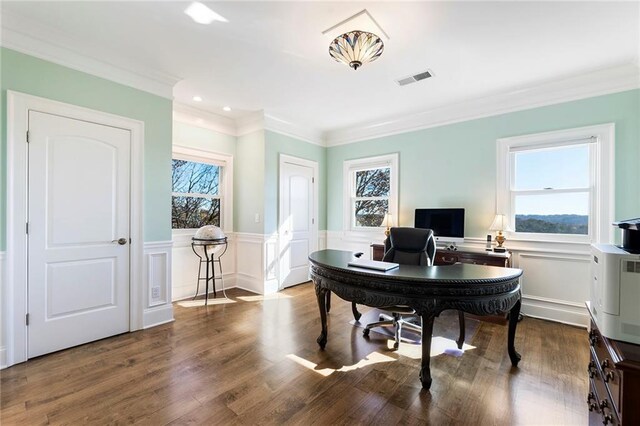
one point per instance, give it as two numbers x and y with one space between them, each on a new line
414 78
633 266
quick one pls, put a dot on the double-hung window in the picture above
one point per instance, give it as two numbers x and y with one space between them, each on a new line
370 191
200 189
557 186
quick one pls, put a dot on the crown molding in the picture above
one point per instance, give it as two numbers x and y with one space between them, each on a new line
296 131
250 123
196 117
37 42
601 82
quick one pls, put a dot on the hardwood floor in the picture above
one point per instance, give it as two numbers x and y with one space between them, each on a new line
256 361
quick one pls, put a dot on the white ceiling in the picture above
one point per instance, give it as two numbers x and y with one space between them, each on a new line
271 56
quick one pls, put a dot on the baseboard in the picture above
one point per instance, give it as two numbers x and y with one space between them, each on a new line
187 291
3 357
555 310
157 315
250 283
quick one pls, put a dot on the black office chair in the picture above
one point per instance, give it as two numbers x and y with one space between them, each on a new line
409 246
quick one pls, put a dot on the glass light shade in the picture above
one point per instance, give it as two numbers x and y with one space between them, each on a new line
499 223
356 48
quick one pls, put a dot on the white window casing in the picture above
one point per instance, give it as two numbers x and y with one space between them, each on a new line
225 189
600 140
350 167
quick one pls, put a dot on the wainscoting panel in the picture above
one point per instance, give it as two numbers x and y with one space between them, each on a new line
353 241
555 286
157 283
250 271
3 312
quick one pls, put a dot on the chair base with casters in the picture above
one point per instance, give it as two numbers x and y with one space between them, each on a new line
398 321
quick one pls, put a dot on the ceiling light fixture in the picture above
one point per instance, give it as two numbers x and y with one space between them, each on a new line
197 98
356 48
226 108
202 14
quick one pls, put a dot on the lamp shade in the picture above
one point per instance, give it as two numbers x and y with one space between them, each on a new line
356 48
388 220
499 223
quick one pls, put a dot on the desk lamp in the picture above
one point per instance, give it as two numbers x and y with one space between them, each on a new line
388 223
498 224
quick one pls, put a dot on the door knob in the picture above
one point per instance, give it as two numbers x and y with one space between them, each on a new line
121 241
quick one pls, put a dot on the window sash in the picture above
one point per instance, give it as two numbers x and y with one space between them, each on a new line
350 168
601 141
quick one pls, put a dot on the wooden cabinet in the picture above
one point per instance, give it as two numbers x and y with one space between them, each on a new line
614 380
449 257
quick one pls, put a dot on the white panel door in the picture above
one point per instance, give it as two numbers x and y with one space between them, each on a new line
78 204
296 223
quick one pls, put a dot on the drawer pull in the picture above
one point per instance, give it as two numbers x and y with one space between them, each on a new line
593 338
593 407
608 375
607 419
604 404
591 369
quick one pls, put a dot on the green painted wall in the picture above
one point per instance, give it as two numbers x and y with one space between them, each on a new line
277 144
455 165
26 74
248 183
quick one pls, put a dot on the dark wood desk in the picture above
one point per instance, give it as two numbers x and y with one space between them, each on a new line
429 290
449 257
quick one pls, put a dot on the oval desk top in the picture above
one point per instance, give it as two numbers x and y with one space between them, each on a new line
338 260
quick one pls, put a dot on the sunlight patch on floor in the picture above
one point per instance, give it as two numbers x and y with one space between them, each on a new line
439 345
372 358
259 297
200 302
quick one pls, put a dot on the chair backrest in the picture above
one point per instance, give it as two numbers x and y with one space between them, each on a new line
410 246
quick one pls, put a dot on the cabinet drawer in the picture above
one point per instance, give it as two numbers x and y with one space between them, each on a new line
609 416
446 258
610 376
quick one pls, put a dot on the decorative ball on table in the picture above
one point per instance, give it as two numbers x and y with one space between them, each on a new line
210 236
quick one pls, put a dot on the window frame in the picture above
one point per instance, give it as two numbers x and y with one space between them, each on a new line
225 186
601 141
350 167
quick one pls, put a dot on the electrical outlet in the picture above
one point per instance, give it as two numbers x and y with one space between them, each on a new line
155 292
257 217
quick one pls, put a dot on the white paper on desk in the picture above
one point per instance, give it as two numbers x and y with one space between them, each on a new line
373 264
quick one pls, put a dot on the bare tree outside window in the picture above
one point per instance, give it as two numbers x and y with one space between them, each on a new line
196 197
371 198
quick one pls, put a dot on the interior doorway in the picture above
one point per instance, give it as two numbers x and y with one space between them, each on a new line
297 224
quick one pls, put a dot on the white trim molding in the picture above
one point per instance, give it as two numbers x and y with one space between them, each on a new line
199 118
582 86
37 42
282 234
18 106
287 128
158 308
349 168
3 309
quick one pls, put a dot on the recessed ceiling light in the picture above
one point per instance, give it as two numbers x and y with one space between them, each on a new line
197 98
202 14
226 108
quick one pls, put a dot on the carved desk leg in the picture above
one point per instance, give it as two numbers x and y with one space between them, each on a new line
354 310
463 328
427 333
513 322
321 294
